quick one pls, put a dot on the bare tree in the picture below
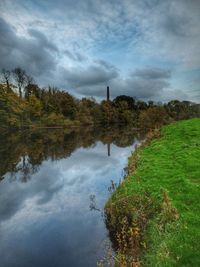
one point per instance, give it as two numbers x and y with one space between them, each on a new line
20 78
6 78
29 79
29 86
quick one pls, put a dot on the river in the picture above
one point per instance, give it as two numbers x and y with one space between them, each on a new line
53 187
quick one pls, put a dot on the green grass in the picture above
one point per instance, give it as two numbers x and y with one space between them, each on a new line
165 183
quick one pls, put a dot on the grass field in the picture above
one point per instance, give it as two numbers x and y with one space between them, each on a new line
154 214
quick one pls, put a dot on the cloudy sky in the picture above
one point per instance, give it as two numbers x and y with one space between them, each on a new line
149 49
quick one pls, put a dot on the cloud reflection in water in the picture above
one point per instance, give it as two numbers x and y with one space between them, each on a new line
47 221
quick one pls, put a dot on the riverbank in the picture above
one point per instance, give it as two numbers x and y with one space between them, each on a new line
153 216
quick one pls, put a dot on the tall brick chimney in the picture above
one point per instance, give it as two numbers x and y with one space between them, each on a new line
108 93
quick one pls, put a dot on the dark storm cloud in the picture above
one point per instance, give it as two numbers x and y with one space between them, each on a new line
99 72
35 54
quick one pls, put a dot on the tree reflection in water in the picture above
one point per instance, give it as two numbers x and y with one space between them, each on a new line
22 152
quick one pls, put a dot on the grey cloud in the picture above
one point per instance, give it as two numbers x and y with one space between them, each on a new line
181 19
35 54
173 36
42 39
176 25
170 94
148 83
143 83
143 31
99 72
156 26
144 88
76 56
152 73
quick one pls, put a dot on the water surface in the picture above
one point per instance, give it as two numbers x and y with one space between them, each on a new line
53 187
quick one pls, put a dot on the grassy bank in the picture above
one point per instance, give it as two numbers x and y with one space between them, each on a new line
154 216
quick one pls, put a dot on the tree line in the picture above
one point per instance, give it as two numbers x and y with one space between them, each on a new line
23 104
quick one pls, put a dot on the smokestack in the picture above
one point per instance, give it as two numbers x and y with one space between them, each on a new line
108 93
108 148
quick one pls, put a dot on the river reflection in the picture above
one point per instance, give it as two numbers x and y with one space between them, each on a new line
53 185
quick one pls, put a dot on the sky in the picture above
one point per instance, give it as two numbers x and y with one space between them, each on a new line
148 49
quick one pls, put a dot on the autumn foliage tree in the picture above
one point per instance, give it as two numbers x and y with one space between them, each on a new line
153 117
